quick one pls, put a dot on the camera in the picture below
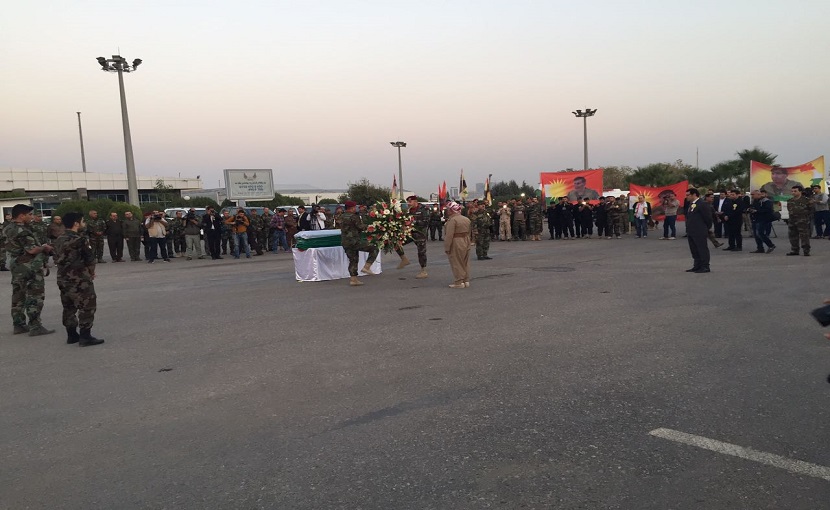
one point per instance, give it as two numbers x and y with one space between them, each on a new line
157 217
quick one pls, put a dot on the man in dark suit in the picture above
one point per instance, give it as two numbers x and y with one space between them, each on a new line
212 227
719 205
733 216
698 223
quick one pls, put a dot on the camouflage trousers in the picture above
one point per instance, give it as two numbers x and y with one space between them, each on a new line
519 230
2 254
227 237
420 240
79 302
353 254
536 226
799 230
97 244
262 238
28 289
614 227
179 244
482 245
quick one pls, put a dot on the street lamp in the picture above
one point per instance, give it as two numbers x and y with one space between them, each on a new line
400 168
81 133
587 113
118 64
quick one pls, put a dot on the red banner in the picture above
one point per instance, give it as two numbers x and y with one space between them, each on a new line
577 186
660 197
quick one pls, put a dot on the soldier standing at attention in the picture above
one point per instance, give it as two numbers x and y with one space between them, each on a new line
39 229
350 228
254 231
435 224
115 237
483 224
131 226
95 228
227 232
76 270
534 213
264 234
800 209
3 255
179 241
27 262
519 221
504 223
420 224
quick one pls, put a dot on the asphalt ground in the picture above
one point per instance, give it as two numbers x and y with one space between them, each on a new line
227 384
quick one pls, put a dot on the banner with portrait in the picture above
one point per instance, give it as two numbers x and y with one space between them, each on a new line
778 181
660 198
577 186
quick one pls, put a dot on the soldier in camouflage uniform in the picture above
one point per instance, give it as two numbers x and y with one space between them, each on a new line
519 221
534 214
39 229
471 213
435 225
177 231
484 223
612 209
350 230
254 231
227 232
95 228
624 220
800 209
266 235
420 225
76 270
27 262
3 255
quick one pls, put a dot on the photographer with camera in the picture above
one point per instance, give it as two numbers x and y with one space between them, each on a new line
156 227
192 235
240 224
212 226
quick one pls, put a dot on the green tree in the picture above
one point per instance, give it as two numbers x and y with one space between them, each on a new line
364 192
614 177
103 206
278 201
660 174
327 201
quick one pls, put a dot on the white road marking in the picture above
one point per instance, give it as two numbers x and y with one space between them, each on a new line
798 467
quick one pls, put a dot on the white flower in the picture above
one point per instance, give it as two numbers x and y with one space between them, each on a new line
386 211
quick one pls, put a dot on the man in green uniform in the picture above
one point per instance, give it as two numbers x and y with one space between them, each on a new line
254 231
483 225
265 233
39 229
519 221
95 228
177 230
436 224
800 209
420 225
350 230
534 213
76 270
3 255
27 262
131 226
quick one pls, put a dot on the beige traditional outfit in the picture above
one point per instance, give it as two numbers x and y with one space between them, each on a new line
457 244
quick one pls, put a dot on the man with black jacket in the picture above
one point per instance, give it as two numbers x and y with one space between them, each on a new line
733 217
698 223
212 227
761 214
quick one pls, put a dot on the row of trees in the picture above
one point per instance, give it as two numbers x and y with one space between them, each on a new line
733 173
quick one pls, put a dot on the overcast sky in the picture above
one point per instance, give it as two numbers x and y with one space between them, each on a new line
316 90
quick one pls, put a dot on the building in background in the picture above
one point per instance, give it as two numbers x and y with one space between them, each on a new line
45 190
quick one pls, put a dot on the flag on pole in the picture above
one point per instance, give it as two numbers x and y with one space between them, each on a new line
394 186
442 194
462 186
488 198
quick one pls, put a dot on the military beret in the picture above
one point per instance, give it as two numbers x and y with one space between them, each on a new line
350 203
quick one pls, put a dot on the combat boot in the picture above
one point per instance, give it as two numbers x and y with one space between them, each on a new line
40 330
423 274
404 262
72 335
87 339
354 281
367 268
21 329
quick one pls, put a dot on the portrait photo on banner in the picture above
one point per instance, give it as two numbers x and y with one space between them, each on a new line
578 186
660 198
778 181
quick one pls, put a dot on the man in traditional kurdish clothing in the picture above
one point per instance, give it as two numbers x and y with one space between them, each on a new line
457 243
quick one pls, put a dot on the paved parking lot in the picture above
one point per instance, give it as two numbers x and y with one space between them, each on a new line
227 384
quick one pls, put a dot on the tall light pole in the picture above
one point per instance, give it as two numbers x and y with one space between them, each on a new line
81 132
587 113
400 168
119 64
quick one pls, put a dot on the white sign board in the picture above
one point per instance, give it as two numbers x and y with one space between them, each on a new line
249 184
